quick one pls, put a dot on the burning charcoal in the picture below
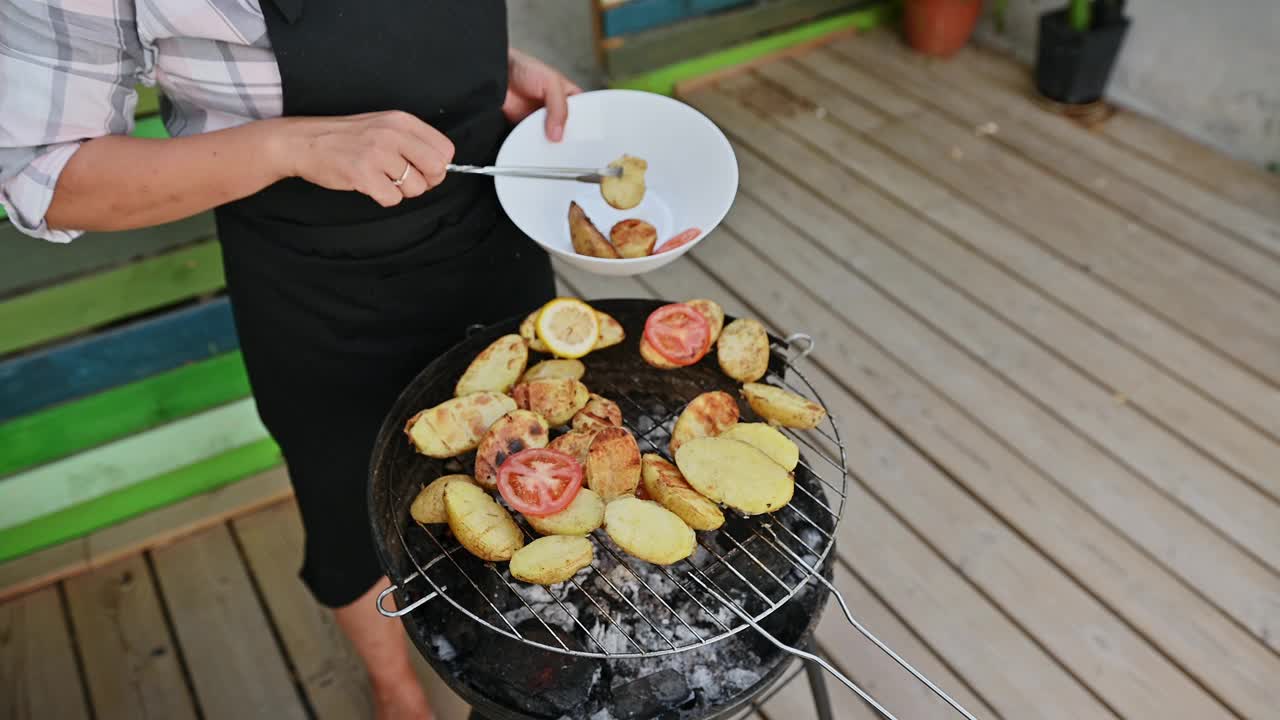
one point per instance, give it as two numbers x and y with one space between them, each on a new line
541 684
651 695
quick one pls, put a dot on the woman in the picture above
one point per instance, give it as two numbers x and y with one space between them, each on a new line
320 131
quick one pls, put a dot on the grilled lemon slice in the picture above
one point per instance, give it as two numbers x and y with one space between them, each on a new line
568 327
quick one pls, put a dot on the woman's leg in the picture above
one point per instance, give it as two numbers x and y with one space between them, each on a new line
381 644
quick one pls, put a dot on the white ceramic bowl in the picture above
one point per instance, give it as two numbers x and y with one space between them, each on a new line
692 176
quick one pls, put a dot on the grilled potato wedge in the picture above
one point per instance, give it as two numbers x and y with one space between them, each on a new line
664 483
711 310
428 507
529 332
552 559
743 350
481 525
584 514
633 238
587 240
783 407
598 414
456 426
766 439
575 443
511 433
613 464
653 357
708 415
557 400
496 368
553 369
647 530
611 332
736 474
627 190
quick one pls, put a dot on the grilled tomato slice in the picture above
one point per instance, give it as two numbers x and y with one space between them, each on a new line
679 333
539 481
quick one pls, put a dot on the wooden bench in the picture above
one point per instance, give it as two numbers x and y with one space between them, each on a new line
655 45
121 385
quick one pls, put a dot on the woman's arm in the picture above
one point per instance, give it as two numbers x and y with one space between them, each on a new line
119 182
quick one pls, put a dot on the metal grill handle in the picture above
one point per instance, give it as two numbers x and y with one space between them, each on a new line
408 608
801 344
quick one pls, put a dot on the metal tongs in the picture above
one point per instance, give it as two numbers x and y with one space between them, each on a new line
586 175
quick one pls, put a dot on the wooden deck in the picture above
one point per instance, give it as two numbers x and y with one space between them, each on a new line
1054 354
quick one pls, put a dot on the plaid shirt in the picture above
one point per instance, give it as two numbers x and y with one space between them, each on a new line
68 69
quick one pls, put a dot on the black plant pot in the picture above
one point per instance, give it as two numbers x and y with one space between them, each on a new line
1073 67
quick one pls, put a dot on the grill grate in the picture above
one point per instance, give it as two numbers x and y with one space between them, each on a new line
621 608
763 561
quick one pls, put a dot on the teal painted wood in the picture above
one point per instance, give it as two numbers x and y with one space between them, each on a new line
27 263
639 15
115 466
106 360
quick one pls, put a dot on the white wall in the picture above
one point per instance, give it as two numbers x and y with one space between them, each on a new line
1210 68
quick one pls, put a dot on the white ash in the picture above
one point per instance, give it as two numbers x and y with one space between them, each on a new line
704 668
550 604
742 678
602 715
701 678
811 538
444 649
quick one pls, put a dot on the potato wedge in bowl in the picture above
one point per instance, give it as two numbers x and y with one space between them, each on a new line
664 483
552 559
783 407
633 238
735 474
626 190
648 531
587 239
481 525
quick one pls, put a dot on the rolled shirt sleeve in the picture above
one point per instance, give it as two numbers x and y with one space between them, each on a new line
67 74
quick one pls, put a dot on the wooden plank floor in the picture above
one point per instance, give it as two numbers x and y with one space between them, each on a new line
1055 360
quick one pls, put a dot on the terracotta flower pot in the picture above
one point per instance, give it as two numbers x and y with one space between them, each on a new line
939 27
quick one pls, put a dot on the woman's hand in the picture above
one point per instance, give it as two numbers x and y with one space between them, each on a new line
530 85
367 153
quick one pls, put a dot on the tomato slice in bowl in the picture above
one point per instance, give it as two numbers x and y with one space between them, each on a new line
680 240
539 481
679 333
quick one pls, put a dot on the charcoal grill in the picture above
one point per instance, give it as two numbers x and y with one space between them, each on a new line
622 615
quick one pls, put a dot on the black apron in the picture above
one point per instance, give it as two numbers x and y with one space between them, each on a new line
339 302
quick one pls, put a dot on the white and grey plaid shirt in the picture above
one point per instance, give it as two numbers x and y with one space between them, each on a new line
68 69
